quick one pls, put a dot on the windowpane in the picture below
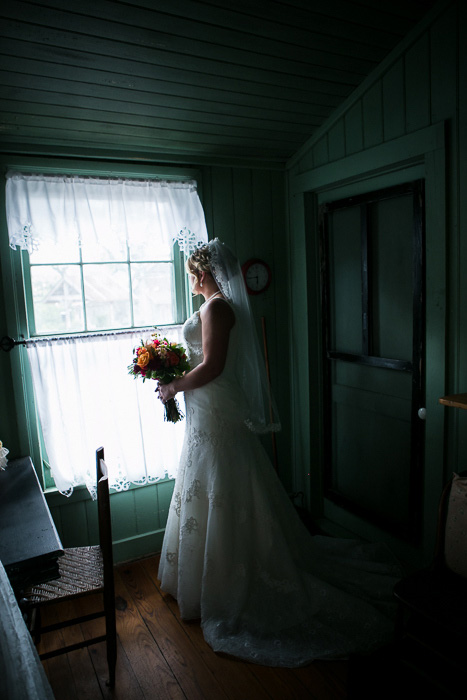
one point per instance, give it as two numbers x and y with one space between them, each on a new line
106 292
57 298
152 293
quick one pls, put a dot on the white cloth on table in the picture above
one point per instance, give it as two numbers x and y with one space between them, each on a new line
22 676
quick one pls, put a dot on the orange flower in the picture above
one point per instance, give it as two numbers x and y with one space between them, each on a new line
143 358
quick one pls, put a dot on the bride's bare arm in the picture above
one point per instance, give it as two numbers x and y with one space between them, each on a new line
217 320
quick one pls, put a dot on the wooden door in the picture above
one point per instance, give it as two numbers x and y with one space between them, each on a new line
373 311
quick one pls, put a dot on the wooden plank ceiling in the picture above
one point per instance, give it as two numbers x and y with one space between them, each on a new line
195 80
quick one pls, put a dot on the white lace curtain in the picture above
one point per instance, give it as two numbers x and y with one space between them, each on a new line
43 209
85 397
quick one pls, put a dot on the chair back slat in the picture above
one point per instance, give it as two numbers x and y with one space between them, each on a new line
103 506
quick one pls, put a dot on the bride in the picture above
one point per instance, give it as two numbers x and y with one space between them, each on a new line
235 553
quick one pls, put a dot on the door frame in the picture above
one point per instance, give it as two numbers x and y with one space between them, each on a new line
416 367
421 154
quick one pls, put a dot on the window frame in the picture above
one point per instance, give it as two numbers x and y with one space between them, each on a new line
17 289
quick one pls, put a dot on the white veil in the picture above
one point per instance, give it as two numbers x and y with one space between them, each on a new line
251 371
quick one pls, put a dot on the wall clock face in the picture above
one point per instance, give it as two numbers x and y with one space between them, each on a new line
257 275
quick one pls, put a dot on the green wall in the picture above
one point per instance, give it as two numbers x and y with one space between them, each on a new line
245 207
407 120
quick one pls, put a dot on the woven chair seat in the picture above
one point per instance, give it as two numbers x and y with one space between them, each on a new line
81 571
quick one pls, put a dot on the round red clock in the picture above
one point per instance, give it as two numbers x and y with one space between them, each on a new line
257 275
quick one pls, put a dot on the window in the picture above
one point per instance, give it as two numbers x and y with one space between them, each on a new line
75 290
102 255
98 261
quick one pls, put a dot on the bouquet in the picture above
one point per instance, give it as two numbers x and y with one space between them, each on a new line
160 359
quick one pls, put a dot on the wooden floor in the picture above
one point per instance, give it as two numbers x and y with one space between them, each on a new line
160 656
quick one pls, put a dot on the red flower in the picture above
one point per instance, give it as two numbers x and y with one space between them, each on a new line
172 358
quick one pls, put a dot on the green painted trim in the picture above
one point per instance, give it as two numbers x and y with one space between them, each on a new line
155 159
436 340
393 154
387 179
138 546
114 167
315 355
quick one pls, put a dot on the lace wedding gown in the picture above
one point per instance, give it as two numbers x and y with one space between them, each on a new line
236 555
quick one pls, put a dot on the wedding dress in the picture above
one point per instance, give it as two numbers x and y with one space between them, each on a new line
237 556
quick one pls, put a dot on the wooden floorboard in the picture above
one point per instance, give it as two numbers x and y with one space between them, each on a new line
161 657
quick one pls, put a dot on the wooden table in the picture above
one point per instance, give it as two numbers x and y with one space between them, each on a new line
456 400
29 542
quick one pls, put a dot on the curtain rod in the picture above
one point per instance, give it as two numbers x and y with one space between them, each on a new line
7 343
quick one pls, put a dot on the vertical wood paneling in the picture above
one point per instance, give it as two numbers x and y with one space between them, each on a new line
279 347
243 212
320 152
205 192
306 161
263 305
417 84
373 116
262 213
443 45
92 521
164 496
123 515
223 206
74 531
56 514
394 101
138 519
299 350
146 511
354 128
336 140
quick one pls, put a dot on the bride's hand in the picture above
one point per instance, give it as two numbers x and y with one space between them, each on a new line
166 391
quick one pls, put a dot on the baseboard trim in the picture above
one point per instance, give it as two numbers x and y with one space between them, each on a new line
138 546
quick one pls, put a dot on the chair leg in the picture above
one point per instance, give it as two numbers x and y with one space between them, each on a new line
111 660
35 625
111 633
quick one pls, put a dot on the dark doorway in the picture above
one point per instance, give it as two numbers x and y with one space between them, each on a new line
372 265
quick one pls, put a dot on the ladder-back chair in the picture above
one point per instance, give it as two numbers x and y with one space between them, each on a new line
83 571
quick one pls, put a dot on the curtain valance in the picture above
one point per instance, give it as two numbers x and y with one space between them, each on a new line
43 208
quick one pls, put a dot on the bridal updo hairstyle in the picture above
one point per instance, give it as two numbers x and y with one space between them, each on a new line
199 261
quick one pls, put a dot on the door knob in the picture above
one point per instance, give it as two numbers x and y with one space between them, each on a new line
422 413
